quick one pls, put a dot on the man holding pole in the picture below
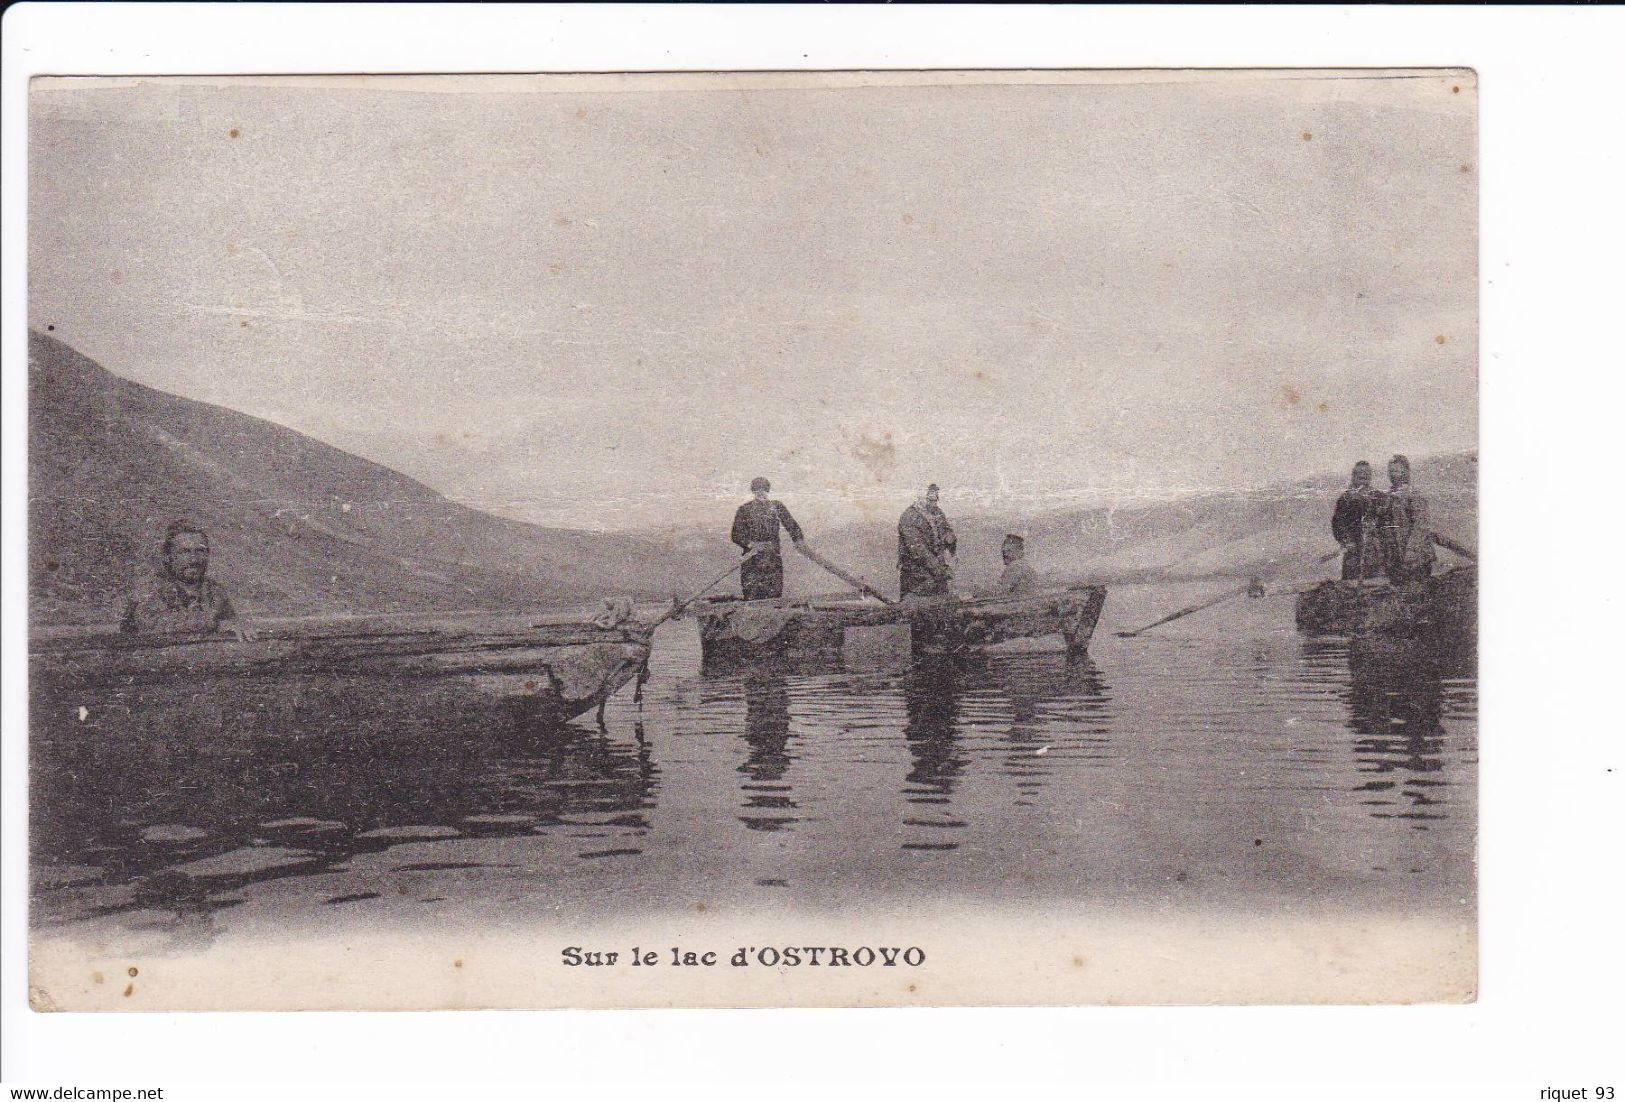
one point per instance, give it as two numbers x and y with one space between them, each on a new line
925 546
756 528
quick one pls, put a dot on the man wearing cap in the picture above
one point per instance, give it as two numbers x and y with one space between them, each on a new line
756 528
1354 525
1018 578
1407 535
925 546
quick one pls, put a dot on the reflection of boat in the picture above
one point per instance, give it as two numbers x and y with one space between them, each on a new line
1396 710
769 801
557 670
735 632
1444 609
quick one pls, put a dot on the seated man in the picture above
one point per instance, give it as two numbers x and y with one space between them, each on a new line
1018 578
180 599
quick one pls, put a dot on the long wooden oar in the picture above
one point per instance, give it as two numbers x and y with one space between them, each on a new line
1225 596
703 590
850 579
1451 545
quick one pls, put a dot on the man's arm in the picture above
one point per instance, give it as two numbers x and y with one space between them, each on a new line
791 528
741 529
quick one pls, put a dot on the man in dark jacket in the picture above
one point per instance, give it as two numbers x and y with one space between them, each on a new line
181 599
1354 525
756 528
925 547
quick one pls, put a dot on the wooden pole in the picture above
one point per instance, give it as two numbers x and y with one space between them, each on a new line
850 579
1328 557
703 590
1451 545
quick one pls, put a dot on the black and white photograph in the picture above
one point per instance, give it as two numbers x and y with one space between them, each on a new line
931 538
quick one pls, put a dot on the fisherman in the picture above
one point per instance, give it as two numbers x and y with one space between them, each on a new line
925 547
1018 578
1354 525
756 528
181 599
1407 536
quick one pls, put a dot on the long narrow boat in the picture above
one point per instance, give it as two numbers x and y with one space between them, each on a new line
1444 610
558 670
735 632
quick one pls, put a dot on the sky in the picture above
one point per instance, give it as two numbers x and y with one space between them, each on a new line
609 302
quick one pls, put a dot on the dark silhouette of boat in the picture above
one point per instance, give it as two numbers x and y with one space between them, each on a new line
557 670
1443 609
734 632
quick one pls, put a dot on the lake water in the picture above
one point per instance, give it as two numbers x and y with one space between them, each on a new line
1222 760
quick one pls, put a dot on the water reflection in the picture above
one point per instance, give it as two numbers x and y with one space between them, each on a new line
931 691
1039 690
176 806
768 800
207 808
1395 706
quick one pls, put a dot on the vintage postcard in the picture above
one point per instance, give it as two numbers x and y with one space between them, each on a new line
769 539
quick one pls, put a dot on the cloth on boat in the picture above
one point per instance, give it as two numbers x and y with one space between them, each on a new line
1407 535
925 540
164 604
616 611
1355 522
592 670
758 625
756 525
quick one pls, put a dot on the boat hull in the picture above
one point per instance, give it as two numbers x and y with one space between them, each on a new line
553 672
1444 609
744 633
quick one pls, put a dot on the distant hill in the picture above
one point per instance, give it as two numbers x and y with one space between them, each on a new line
297 526
1278 530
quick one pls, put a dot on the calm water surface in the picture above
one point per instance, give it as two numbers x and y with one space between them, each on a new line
1223 761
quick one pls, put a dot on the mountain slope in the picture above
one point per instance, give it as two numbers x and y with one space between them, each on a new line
297 526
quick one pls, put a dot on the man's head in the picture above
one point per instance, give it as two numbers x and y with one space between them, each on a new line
1361 475
1014 548
186 552
1399 471
928 496
759 488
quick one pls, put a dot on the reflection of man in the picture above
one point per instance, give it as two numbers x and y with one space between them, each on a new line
181 599
925 546
1354 525
756 528
1018 578
1406 531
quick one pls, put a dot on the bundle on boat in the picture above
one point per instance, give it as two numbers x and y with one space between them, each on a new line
560 668
1443 608
737 632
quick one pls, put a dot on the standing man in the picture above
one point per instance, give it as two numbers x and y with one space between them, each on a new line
756 528
925 547
1407 536
1354 525
182 599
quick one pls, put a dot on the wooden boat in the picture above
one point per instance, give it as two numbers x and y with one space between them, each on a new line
1444 609
558 670
736 632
